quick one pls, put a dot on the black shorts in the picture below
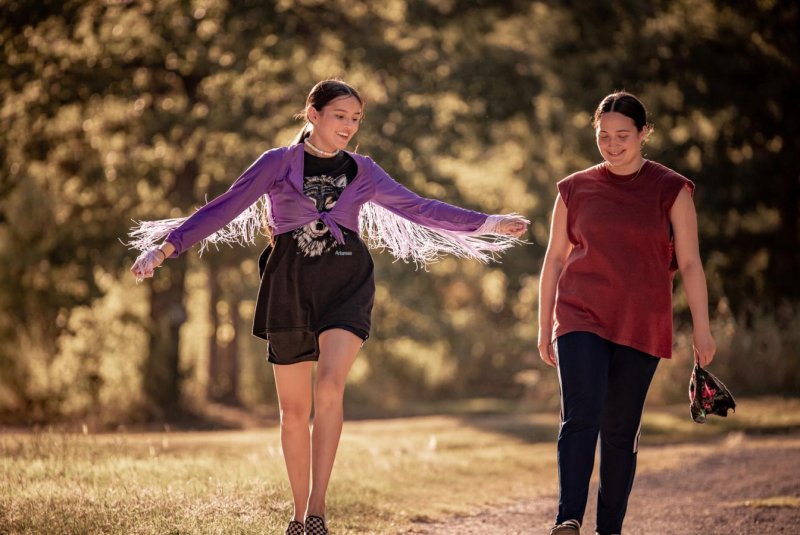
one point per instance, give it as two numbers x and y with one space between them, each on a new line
301 296
291 347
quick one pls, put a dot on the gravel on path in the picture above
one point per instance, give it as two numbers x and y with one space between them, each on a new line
738 485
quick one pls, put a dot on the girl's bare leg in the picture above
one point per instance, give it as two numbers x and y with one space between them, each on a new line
293 383
338 350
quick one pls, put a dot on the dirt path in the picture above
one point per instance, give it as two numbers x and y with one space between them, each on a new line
716 488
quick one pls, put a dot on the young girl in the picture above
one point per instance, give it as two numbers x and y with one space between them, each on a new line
317 286
620 230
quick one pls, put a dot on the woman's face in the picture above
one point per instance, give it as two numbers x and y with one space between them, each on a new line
619 141
336 123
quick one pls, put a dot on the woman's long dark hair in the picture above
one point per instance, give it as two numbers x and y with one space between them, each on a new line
319 97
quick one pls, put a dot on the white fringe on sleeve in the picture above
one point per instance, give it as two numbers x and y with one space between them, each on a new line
381 229
412 242
254 221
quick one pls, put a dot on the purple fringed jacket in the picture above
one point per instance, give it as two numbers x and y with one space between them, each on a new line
425 228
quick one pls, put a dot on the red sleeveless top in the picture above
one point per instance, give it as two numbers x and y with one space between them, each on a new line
617 280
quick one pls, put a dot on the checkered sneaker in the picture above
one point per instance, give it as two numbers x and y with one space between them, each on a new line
295 528
315 525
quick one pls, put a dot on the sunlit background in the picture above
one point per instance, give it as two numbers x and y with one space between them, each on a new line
115 111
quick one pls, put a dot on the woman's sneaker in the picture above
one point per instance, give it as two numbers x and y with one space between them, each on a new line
315 525
295 528
568 527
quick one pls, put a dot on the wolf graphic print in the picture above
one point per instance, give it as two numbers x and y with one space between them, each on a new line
314 238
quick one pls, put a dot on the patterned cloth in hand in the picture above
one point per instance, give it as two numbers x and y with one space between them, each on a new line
707 395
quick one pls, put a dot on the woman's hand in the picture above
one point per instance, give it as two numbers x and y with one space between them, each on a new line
546 351
704 347
512 225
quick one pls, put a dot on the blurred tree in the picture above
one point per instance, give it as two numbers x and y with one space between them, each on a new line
60 199
717 78
142 110
227 327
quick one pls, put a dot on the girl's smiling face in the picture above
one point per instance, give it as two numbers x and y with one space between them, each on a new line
336 124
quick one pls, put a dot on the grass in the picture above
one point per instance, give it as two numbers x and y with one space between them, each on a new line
792 502
389 474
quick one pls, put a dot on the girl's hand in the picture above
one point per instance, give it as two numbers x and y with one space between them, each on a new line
512 225
147 262
704 347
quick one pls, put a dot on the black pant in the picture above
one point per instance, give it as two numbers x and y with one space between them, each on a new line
603 388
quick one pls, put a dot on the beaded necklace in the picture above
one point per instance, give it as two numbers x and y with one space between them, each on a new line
318 151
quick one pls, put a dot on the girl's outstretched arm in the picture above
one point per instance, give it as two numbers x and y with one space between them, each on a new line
181 233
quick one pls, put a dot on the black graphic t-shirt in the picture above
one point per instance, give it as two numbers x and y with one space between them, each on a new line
309 281
324 179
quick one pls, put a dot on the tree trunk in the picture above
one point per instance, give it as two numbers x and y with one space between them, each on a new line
223 363
231 396
213 386
162 380
167 314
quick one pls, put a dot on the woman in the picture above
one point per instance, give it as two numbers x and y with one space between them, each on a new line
317 287
620 230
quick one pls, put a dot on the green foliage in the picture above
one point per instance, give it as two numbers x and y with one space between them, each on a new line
114 111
